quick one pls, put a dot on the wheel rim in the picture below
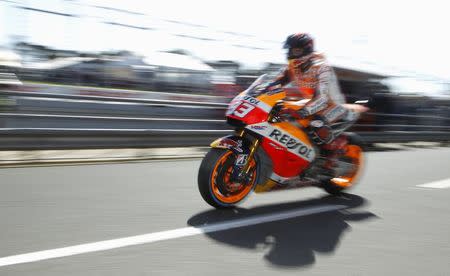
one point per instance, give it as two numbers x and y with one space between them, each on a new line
222 186
355 153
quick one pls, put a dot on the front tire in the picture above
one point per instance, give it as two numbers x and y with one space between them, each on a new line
215 181
354 153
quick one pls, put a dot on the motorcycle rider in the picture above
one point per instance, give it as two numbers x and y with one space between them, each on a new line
316 81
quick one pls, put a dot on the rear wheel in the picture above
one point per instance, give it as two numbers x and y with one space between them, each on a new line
353 161
216 179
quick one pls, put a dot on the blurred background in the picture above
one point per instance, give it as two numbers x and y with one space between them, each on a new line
92 91
156 59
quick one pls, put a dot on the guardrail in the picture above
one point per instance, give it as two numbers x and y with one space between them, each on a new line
112 99
58 121
44 138
79 122
59 106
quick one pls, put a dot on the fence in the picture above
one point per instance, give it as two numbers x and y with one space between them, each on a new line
54 121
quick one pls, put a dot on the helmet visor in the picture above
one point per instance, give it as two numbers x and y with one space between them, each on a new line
296 53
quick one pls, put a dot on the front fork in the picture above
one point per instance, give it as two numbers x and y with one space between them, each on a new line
243 173
246 168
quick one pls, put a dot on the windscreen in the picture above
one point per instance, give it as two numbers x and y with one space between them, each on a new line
256 87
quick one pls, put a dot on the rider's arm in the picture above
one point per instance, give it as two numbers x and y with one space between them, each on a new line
320 99
282 79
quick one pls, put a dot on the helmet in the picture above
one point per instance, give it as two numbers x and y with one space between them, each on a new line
303 43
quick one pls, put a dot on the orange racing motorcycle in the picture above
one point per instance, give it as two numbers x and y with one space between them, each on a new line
268 152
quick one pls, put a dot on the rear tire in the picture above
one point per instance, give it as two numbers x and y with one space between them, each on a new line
214 179
355 150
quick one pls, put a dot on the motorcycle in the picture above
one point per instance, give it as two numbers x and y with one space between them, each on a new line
269 152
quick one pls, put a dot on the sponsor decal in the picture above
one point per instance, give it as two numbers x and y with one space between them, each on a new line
258 127
241 159
247 100
241 106
251 100
233 105
292 144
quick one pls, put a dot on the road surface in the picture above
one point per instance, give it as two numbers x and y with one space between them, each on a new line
147 218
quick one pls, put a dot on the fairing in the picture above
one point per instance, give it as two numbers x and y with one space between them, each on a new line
285 144
288 147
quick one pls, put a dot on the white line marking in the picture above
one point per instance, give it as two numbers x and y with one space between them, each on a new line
442 184
160 236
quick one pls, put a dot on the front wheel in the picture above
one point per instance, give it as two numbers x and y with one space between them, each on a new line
352 160
216 179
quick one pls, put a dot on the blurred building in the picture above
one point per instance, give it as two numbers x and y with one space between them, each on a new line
225 77
10 64
179 72
157 71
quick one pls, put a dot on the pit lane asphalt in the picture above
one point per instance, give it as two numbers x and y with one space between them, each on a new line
389 226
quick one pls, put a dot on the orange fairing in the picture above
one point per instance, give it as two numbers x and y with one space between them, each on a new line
272 99
356 154
297 105
287 162
294 130
267 186
252 109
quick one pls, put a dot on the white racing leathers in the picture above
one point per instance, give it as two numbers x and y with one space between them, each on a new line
317 80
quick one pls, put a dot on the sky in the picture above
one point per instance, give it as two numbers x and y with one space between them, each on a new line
382 36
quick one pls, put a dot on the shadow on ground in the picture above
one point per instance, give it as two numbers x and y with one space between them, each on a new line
291 242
